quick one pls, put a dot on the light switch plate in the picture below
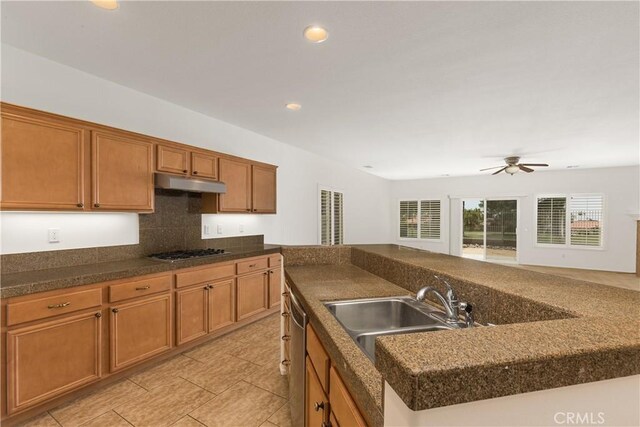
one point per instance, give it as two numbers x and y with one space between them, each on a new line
219 229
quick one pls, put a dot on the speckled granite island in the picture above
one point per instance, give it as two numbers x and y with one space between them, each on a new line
551 332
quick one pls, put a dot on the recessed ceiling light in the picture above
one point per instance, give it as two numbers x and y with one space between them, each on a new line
106 4
367 167
316 34
293 106
446 174
573 166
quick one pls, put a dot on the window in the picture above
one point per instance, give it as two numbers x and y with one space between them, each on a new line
420 219
574 220
331 217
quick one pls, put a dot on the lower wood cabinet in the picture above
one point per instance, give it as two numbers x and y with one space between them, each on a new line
204 309
51 358
275 288
139 330
252 294
317 402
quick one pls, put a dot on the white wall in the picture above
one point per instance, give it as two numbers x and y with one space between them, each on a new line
620 187
36 82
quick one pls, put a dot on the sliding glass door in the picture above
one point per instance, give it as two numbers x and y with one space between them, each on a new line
490 229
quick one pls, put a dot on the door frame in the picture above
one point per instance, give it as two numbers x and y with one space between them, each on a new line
484 226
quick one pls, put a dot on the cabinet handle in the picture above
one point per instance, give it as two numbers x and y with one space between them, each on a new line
80 205
286 338
252 265
96 205
318 405
184 171
248 210
143 288
115 310
264 274
195 172
98 315
61 305
271 271
286 362
285 314
285 294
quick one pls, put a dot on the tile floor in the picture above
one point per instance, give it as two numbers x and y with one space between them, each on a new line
233 380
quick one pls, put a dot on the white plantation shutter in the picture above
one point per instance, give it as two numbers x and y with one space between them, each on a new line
409 219
586 215
325 217
337 218
551 224
430 219
331 217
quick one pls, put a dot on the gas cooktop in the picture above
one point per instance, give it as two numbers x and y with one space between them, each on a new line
188 254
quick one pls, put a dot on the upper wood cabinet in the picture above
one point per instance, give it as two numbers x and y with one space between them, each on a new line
51 358
43 162
237 176
122 172
204 165
172 160
181 161
263 179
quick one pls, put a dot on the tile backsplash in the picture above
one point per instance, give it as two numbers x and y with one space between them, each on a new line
175 225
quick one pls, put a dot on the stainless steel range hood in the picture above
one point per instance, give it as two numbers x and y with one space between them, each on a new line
172 182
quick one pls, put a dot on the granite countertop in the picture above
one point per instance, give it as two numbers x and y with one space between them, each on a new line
552 331
29 282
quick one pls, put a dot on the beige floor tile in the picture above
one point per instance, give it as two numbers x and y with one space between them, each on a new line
217 375
86 408
187 421
159 375
282 418
268 377
43 420
268 424
242 405
213 349
261 351
164 405
109 419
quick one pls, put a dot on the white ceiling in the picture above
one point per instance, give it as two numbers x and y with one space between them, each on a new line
412 89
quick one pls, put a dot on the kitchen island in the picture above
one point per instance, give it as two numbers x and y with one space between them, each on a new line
550 332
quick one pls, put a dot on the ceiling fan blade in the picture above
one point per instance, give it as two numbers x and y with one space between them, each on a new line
486 169
524 168
497 172
534 164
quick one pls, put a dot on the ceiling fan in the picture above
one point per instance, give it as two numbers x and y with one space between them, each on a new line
513 166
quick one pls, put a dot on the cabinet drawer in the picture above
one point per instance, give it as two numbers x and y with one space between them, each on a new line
204 275
139 288
275 260
20 312
319 357
252 265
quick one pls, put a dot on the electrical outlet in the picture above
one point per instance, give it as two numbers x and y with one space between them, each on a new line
241 228
206 230
54 235
219 229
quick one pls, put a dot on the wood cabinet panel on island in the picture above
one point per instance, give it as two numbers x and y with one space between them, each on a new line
43 162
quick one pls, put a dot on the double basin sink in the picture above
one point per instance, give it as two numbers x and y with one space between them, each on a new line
366 319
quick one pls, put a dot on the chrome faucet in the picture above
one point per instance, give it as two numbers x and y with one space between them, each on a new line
450 303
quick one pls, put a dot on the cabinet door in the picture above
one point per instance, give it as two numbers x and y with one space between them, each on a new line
343 408
275 291
237 176
222 307
172 160
204 166
140 330
263 189
122 171
317 404
43 164
51 358
252 294
191 313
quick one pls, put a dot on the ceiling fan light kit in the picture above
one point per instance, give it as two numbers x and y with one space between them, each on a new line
513 166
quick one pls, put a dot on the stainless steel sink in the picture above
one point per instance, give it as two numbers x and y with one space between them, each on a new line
366 319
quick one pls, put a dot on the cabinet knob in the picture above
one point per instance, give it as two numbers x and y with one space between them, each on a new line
206 287
184 171
96 205
195 172
264 274
61 305
286 362
286 338
318 406
80 205
285 294
115 310
98 315
285 314
270 271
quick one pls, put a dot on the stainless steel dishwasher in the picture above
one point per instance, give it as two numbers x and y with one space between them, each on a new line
297 367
